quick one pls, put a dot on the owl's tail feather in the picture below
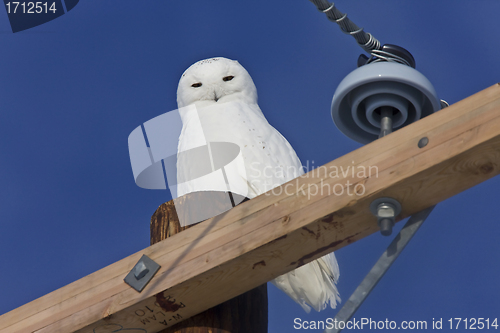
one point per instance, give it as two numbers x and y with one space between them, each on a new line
313 285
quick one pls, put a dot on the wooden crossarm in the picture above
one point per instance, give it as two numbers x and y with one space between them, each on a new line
324 210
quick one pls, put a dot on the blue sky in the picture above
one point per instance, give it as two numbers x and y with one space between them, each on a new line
73 89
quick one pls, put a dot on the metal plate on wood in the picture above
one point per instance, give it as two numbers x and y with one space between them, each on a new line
142 273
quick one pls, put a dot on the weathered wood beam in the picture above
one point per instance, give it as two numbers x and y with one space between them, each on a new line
272 234
246 313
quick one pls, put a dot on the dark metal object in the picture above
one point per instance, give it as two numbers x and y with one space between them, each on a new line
364 39
142 273
376 273
423 142
385 121
386 210
391 52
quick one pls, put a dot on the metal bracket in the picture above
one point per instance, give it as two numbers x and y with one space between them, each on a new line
142 273
375 274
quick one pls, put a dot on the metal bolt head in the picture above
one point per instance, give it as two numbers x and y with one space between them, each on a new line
423 142
140 270
385 210
142 273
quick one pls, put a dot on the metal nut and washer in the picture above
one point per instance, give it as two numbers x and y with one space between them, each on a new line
386 210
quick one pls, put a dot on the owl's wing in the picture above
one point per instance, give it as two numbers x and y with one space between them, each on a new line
270 160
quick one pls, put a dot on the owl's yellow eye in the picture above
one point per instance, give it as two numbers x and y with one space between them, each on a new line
227 78
196 85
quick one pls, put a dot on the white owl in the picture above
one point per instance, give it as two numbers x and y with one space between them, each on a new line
224 89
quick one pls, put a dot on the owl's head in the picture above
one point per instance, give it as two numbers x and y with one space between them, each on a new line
215 80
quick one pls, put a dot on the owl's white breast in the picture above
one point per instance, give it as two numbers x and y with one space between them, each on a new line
269 160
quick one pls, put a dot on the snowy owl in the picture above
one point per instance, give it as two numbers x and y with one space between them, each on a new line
224 88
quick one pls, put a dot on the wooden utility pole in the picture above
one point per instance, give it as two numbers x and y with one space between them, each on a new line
246 313
274 233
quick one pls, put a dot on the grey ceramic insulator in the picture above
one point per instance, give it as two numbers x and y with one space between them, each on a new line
359 97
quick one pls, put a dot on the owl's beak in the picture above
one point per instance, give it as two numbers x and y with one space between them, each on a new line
216 98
